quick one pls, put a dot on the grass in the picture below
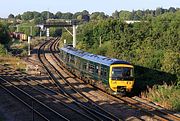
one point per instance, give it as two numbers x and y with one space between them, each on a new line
166 96
13 62
21 47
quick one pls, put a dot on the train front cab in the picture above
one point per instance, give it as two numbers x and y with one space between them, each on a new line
121 78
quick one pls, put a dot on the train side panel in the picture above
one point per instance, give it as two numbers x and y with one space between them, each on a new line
100 75
91 72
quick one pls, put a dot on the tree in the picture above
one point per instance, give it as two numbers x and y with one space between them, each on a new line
172 9
36 14
85 12
98 16
86 18
18 17
125 15
38 20
77 15
158 11
58 15
115 14
4 36
10 16
27 16
67 15
47 15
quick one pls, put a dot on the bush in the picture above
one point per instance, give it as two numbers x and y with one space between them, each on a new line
2 50
167 96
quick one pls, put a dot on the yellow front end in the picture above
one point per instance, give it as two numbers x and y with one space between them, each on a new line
121 77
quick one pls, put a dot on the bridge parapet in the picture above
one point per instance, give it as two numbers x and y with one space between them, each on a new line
65 23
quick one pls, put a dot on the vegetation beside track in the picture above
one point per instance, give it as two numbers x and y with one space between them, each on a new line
167 96
13 62
20 48
152 45
12 50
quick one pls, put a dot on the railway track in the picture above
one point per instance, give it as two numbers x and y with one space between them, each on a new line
60 90
159 114
38 107
67 90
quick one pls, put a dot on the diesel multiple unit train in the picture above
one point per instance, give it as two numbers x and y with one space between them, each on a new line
111 75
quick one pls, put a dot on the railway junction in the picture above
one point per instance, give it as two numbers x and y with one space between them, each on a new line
50 92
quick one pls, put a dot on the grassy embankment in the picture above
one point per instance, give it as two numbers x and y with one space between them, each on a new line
19 49
164 95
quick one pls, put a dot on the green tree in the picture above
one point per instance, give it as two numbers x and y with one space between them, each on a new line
38 20
27 15
18 17
98 16
115 14
36 14
47 15
2 50
67 15
125 15
11 16
58 15
4 35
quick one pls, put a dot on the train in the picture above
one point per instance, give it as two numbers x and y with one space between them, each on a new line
19 35
108 74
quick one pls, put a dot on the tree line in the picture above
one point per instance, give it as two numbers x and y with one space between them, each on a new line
152 45
124 15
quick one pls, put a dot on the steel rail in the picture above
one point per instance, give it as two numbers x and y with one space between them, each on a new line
85 97
89 109
54 78
39 102
157 116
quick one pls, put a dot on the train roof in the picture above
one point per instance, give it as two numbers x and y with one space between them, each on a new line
95 58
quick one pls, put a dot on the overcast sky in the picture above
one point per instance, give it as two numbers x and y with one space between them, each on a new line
108 6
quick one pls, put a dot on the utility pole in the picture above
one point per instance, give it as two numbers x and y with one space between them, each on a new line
100 41
29 46
40 34
47 32
74 36
31 30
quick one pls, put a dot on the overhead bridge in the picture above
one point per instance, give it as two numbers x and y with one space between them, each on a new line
71 23
60 24
57 24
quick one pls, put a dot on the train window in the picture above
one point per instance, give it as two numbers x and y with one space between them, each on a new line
76 61
84 66
64 58
101 71
91 68
67 58
72 59
104 72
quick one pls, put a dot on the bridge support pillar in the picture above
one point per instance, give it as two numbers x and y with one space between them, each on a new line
74 36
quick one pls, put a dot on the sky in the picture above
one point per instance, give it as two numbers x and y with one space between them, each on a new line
107 6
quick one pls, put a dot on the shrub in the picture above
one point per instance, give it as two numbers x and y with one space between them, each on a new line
2 50
167 96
